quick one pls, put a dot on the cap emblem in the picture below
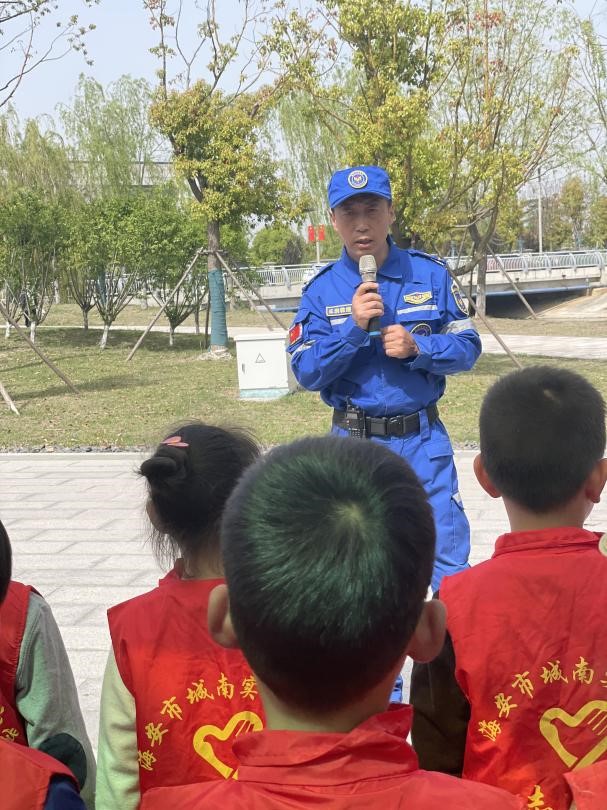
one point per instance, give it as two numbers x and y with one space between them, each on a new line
357 179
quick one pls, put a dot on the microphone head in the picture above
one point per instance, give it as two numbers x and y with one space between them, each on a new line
367 267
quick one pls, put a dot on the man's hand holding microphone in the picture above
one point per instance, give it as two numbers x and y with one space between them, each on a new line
367 309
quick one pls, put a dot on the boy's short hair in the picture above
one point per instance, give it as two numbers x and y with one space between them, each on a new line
328 547
542 430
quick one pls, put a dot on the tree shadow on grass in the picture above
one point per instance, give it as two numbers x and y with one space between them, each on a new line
101 384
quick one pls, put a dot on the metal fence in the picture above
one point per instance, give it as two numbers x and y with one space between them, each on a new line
290 274
523 262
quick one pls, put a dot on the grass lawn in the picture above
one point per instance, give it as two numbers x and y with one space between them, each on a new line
130 404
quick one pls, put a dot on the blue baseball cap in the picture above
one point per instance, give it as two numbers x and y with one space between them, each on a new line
345 183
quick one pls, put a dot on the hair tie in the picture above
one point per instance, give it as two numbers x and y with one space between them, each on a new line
174 441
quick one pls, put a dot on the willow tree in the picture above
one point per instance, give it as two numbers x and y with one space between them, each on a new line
591 80
312 124
214 124
36 170
111 144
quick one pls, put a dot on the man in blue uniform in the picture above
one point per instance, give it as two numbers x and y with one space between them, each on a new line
386 388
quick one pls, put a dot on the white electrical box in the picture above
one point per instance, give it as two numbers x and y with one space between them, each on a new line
264 367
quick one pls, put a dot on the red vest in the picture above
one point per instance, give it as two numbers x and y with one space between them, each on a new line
589 787
13 615
192 697
26 774
370 768
530 640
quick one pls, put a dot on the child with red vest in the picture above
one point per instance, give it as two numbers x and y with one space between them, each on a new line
31 780
589 787
328 551
518 696
170 694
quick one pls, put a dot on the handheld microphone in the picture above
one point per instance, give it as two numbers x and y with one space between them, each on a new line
367 268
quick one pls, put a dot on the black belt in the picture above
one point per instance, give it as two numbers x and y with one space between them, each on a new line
400 425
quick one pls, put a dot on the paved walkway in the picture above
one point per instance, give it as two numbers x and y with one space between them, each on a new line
582 348
78 534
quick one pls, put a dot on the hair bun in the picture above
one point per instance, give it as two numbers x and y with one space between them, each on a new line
160 467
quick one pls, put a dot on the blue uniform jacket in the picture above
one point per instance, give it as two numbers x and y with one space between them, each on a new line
330 354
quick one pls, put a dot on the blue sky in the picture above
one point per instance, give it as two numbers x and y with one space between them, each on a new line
119 45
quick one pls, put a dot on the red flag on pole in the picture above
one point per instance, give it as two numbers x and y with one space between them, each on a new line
321 233
311 234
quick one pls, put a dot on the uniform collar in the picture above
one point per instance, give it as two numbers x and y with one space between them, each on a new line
562 538
292 757
390 268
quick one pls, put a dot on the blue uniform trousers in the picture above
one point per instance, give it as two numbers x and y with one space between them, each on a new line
430 454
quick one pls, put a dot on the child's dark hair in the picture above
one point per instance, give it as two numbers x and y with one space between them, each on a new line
6 562
328 547
542 430
189 485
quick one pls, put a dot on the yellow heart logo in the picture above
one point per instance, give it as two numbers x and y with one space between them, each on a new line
593 715
241 723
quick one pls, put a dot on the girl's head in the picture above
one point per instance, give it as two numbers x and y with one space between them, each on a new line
6 562
190 477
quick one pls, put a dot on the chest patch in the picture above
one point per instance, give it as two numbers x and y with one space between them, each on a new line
341 309
418 297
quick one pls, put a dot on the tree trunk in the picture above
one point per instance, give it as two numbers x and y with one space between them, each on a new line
33 331
217 297
481 270
197 319
7 330
481 287
85 319
104 336
171 335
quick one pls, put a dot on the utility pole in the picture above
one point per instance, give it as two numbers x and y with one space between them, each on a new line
539 210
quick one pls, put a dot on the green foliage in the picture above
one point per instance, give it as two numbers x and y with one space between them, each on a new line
596 234
314 131
110 138
216 147
32 228
573 207
32 158
277 244
215 135
169 236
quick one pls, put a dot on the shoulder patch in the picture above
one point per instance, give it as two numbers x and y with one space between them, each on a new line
340 309
418 297
295 333
459 299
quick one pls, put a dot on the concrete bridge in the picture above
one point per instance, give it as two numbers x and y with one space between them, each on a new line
533 273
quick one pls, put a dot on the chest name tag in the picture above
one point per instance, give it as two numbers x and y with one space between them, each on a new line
335 312
418 297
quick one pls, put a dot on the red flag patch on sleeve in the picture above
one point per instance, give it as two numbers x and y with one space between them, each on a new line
295 333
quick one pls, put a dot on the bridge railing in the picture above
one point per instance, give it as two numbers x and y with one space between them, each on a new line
524 262
294 274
